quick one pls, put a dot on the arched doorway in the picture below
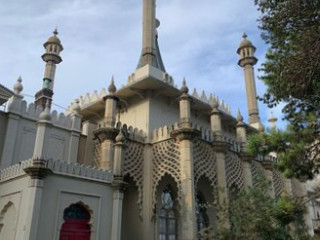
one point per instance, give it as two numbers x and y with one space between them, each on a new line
76 223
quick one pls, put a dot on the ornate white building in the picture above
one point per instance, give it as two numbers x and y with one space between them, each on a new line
128 163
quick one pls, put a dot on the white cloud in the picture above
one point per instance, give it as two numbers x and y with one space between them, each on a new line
198 40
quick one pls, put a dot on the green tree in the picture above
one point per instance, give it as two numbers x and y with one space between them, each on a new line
255 215
292 68
293 148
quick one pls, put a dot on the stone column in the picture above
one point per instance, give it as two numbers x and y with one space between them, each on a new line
188 216
75 132
88 130
185 135
37 172
108 132
220 147
267 165
147 211
245 158
118 185
44 126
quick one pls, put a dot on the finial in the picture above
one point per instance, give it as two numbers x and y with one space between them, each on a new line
18 87
45 114
239 116
120 137
184 89
55 31
112 88
76 107
215 103
244 35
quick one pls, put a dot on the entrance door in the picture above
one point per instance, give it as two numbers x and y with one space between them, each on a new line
76 225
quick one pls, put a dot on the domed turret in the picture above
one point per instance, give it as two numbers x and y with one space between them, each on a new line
53 44
246 51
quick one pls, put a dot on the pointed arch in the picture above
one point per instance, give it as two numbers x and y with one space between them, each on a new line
76 223
206 196
8 221
167 208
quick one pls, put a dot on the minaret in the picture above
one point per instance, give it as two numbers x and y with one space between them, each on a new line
272 119
247 61
53 48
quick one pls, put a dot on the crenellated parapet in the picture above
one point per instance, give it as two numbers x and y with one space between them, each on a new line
89 99
164 133
223 106
32 111
57 167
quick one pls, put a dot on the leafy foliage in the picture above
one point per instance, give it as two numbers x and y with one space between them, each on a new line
255 215
292 68
295 154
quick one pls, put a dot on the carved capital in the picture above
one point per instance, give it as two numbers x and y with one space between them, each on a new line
185 134
38 170
109 96
118 183
106 133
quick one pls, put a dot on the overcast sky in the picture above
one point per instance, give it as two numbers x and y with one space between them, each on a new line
198 39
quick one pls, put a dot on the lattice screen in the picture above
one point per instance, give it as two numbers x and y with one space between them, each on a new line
278 183
133 165
166 160
234 171
97 153
204 162
256 172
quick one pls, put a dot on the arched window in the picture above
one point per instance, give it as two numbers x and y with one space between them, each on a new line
76 223
202 218
167 218
8 219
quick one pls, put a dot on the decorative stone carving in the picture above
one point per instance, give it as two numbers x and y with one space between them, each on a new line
278 183
204 162
133 166
185 134
166 161
38 169
106 133
234 171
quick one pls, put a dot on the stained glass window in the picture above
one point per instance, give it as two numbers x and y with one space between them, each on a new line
167 219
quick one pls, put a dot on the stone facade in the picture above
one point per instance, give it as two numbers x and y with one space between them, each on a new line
130 163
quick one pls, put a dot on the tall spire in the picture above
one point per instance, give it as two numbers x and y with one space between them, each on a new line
150 50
